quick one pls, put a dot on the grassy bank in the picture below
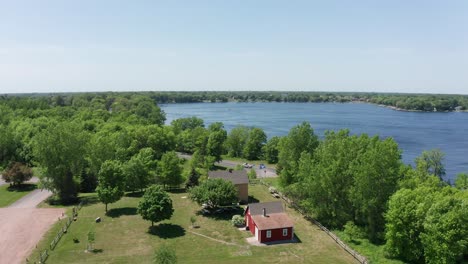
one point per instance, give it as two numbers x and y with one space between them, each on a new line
9 194
123 237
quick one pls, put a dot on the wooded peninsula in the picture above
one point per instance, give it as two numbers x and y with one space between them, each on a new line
404 102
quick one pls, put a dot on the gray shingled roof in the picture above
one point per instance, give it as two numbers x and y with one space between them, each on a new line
270 208
236 177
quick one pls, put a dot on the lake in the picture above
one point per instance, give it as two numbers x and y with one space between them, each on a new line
414 131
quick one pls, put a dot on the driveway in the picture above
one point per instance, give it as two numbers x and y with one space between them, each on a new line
261 173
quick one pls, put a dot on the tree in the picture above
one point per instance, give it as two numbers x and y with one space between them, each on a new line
91 237
253 147
111 182
236 140
214 193
461 182
193 177
405 222
165 255
376 172
445 236
8 146
170 171
270 150
139 170
156 205
252 174
434 162
17 173
186 123
60 150
217 137
351 230
301 138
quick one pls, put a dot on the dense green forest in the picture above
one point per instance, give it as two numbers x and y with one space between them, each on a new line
116 142
408 102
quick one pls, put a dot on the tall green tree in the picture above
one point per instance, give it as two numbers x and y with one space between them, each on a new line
169 170
236 141
300 138
186 123
445 236
111 182
376 173
434 162
255 142
405 223
140 170
156 205
60 151
270 150
461 182
217 137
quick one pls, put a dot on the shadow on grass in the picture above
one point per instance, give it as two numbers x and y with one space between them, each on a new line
225 215
118 212
175 190
167 231
253 199
135 194
90 200
354 241
218 167
25 187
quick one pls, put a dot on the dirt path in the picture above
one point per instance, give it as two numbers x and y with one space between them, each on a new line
32 199
22 226
21 229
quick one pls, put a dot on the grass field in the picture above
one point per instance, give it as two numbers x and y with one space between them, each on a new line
9 195
123 237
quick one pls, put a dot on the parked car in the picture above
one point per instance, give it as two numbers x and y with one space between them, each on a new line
262 166
247 165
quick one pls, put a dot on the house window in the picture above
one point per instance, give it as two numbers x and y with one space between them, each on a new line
268 234
285 232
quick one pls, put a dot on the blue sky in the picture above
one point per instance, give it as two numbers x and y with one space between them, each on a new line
100 45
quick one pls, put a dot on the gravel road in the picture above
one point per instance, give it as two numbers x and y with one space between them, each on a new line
261 173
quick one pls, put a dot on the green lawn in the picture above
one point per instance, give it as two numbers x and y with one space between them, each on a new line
375 253
9 195
123 237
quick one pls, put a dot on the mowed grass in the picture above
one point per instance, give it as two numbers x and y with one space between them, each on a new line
124 237
9 195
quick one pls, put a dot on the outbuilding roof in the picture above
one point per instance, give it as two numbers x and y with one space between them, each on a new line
270 208
236 177
272 221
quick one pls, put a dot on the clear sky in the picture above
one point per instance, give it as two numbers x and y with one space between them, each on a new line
111 45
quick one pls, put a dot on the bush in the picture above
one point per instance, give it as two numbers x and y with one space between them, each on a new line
238 220
165 255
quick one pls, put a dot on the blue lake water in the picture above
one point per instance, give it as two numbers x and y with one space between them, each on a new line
414 131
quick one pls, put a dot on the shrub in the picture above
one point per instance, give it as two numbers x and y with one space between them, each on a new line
238 220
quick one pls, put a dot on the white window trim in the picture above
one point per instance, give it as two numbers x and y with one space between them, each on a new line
268 233
285 232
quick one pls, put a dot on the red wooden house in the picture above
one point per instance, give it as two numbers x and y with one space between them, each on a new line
268 222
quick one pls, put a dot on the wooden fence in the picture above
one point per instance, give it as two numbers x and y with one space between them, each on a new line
291 203
43 255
